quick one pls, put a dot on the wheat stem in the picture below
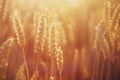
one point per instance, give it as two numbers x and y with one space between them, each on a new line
37 62
52 67
26 66
60 74
94 68
97 66
108 71
102 70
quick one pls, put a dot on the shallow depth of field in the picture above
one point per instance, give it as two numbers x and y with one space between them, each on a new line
59 39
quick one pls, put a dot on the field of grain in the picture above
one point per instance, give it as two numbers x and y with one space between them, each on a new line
59 39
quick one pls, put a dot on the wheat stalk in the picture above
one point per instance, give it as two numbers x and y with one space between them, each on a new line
3 9
18 30
50 53
4 56
75 62
59 61
41 32
40 24
38 35
115 16
106 41
20 36
51 47
57 49
107 14
54 50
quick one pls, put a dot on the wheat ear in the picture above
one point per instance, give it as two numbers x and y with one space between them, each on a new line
20 37
3 10
115 16
4 56
40 24
59 60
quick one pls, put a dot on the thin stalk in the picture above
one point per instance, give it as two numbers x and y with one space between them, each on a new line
60 75
108 71
94 67
26 66
37 61
52 67
47 75
102 70
97 66
34 61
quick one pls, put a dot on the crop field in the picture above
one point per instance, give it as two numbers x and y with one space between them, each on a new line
59 39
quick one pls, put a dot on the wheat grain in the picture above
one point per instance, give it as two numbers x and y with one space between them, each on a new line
59 60
54 50
51 48
38 35
41 33
107 12
18 29
3 9
44 33
20 37
115 16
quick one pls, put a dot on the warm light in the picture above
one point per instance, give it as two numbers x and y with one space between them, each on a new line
59 40
73 2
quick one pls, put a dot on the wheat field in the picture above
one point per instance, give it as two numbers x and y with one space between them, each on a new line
59 39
